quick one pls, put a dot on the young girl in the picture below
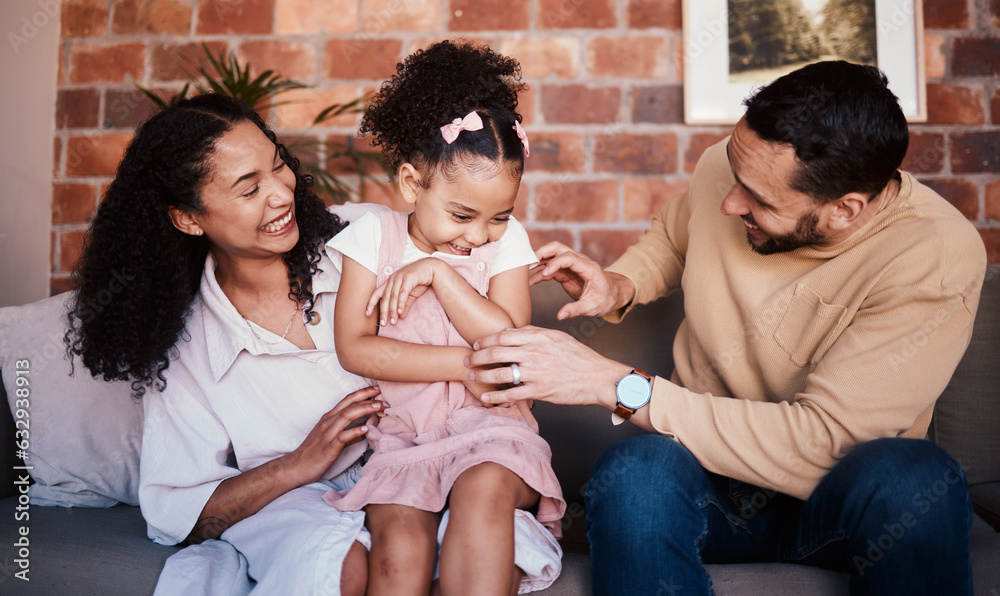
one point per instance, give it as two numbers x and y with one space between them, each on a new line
416 291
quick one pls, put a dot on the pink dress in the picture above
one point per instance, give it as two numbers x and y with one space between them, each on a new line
432 432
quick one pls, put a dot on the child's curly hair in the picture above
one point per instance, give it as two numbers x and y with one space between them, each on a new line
433 87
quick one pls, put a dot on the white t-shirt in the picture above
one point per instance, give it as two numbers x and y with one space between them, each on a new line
362 239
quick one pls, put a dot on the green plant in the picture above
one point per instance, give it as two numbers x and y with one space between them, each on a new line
225 75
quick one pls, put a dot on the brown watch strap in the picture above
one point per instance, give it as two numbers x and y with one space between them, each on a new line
623 412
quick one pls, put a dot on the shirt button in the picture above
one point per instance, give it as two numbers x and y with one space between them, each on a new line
480 266
387 270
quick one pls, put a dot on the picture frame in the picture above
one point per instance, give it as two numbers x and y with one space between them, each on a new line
717 78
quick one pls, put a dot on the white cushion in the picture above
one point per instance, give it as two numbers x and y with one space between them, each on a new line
84 435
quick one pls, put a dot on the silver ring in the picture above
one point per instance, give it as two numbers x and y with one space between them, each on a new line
515 372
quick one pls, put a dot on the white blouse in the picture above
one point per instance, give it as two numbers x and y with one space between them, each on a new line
230 393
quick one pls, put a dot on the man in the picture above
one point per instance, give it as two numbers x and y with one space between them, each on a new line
828 299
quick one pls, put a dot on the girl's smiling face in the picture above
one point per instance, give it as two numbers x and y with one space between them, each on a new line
461 210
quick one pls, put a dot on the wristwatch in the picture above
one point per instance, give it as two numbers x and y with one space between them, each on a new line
633 391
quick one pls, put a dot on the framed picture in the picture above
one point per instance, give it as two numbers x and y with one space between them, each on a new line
732 47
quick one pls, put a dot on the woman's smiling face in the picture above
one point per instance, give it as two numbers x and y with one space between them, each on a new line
249 197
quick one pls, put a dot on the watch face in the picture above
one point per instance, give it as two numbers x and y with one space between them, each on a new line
633 391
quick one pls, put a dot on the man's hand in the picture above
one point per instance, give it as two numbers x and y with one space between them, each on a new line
554 368
595 291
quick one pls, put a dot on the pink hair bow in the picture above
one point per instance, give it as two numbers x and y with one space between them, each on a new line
524 138
471 122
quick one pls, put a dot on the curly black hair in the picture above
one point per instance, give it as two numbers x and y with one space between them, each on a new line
433 87
138 274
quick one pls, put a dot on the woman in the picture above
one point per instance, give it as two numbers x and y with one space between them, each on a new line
221 240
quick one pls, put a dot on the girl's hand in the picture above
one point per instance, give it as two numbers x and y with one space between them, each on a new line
396 295
331 434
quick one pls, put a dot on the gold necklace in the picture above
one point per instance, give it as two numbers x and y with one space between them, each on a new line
288 327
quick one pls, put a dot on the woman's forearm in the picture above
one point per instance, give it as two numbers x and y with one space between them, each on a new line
238 497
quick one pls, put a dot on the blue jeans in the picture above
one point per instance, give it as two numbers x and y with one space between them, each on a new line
894 513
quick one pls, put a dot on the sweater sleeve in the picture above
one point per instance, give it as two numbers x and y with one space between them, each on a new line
879 378
655 263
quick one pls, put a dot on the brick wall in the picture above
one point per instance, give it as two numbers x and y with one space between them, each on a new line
604 112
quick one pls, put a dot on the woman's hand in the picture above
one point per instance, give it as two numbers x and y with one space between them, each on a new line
332 433
595 291
396 295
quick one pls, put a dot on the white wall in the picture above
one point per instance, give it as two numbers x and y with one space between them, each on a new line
29 54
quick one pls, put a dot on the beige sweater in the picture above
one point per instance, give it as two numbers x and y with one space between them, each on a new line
785 362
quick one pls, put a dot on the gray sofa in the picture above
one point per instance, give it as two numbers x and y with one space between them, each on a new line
85 444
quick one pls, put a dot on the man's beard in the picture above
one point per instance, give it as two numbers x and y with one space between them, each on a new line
806 234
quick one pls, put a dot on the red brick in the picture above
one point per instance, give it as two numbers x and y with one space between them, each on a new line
645 197
343 165
991 238
945 14
635 56
526 107
303 105
77 108
576 14
60 283
954 104
678 58
381 16
96 155
973 152
302 17
163 17
995 106
934 59
361 58
636 153
173 61
107 63
61 72
976 57
521 202
540 238
577 200
56 155
925 155
291 59
993 200
995 13
70 249
543 57
697 145
580 104
72 203
128 108
644 14
84 18
556 152
242 16
662 104
489 15
964 195
605 246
